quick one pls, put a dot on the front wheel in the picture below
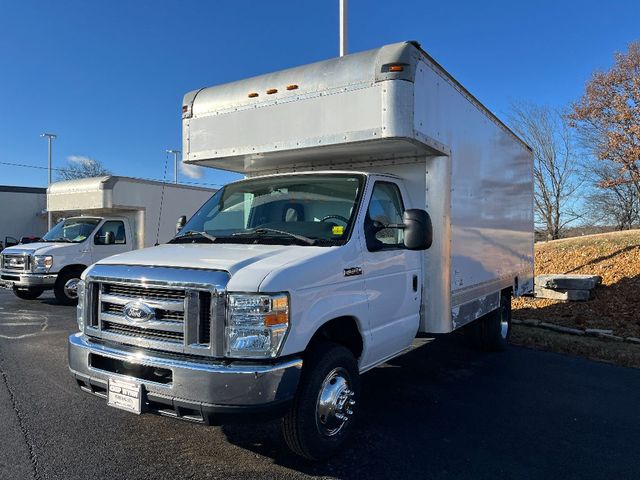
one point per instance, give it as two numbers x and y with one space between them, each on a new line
66 287
28 293
324 409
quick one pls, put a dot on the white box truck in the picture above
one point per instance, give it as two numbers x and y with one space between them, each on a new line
104 216
383 202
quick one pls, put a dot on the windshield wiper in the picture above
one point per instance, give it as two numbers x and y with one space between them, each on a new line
262 230
53 240
193 233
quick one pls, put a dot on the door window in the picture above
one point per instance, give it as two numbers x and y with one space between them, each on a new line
116 227
385 208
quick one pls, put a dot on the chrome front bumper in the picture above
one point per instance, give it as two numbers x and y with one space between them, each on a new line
9 278
212 392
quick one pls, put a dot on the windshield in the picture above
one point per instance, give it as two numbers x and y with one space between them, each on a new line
73 230
306 209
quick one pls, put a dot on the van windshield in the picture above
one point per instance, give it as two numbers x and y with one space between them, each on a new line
71 230
313 209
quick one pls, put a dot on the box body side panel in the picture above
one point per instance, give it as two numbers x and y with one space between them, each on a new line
491 196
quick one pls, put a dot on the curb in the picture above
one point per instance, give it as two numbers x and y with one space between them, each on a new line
587 332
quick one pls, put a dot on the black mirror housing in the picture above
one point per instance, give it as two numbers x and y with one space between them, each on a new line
418 230
180 224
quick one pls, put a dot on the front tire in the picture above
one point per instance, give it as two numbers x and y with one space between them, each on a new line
65 288
28 293
326 404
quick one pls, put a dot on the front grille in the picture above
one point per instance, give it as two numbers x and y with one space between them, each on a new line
173 319
18 263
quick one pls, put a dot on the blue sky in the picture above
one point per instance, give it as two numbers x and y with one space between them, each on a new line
108 76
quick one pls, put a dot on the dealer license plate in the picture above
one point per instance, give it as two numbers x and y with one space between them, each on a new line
126 395
6 284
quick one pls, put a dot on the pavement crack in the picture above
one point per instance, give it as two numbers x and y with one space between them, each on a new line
21 423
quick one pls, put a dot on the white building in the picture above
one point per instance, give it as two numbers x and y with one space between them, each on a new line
22 212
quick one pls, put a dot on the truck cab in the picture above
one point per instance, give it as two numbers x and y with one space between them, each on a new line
57 261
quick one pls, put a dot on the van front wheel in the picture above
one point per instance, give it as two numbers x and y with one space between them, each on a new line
324 409
66 286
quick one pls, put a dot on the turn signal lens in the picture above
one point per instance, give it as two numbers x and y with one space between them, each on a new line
292 87
396 68
253 95
271 91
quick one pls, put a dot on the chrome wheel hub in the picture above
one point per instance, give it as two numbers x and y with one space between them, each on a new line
335 402
71 288
504 323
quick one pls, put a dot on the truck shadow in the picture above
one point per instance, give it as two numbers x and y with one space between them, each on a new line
414 419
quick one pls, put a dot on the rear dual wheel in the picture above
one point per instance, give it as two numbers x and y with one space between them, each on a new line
492 331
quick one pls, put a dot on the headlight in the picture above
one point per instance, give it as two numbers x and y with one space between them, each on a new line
256 325
42 263
80 308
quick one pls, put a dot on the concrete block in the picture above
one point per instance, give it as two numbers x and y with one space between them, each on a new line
531 322
564 295
561 329
595 332
568 281
611 337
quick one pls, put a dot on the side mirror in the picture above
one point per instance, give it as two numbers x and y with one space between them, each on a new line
418 231
10 242
109 238
181 222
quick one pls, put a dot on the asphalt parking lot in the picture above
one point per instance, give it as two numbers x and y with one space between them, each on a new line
441 411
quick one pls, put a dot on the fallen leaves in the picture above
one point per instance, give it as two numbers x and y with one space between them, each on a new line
613 256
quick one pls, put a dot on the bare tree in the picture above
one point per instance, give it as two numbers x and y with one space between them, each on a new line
607 117
615 204
82 167
557 175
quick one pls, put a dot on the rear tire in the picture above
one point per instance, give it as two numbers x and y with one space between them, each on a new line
65 288
325 407
491 332
28 293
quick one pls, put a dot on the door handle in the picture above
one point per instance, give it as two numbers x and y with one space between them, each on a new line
415 283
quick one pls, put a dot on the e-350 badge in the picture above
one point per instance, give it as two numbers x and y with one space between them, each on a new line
351 271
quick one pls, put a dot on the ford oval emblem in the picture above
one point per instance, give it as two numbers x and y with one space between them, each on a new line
138 312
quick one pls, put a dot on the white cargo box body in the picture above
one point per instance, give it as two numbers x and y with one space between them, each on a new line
136 199
465 167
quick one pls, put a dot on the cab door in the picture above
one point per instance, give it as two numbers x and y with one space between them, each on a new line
121 240
391 274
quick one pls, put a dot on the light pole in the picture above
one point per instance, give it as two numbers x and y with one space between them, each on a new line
50 138
343 28
175 164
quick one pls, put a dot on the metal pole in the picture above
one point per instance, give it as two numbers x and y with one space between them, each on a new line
343 28
175 164
50 137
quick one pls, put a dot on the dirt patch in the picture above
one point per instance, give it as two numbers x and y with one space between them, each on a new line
616 306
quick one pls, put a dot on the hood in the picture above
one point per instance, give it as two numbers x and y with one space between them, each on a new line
41 248
248 265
